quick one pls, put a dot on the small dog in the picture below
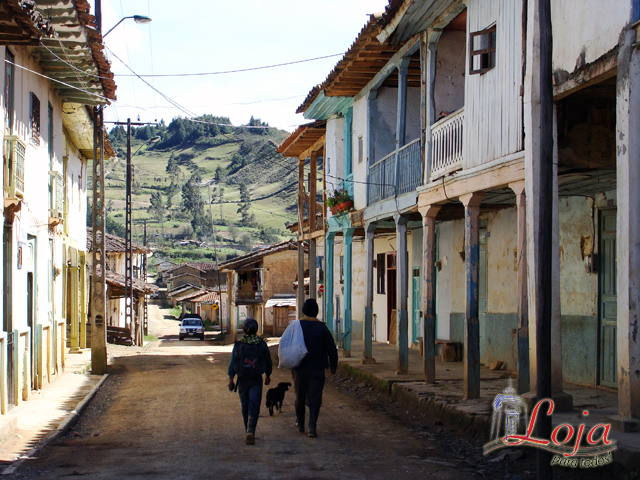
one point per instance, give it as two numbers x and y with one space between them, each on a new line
275 397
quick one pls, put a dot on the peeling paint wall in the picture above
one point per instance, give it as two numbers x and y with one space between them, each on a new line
589 26
450 71
383 123
502 273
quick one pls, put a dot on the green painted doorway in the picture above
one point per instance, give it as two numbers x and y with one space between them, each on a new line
608 304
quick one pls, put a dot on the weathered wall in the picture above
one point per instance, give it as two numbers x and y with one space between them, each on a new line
502 273
334 152
280 270
412 121
359 128
595 28
450 68
383 123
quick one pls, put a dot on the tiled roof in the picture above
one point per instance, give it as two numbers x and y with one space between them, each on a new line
115 244
138 285
258 254
180 289
202 266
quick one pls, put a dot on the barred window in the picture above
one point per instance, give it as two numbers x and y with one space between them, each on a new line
35 119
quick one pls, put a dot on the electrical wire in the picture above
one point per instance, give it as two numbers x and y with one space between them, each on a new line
232 71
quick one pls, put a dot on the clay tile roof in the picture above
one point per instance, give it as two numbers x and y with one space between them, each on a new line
22 24
253 257
118 280
302 138
115 244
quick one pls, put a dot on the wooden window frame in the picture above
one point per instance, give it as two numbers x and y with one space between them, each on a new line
483 51
35 119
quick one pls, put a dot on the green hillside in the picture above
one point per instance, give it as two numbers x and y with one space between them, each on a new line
199 172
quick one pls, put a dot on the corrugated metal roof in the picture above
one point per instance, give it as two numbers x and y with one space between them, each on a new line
281 302
324 107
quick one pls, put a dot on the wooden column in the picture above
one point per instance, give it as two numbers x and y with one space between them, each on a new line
429 73
300 296
471 203
628 231
429 214
74 308
523 299
328 282
313 282
348 240
401 119
367 350
313 183
83 300
402 317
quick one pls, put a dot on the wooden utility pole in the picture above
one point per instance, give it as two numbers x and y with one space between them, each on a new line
543 240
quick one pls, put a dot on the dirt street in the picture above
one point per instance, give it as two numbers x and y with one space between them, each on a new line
166 412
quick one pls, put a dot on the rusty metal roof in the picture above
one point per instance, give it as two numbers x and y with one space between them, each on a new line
302 138
115 244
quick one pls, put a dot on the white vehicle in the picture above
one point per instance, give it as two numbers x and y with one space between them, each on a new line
191 326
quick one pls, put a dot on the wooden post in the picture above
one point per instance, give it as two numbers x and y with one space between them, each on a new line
313 183
429 214
471 203
313 283
628 228
367 350
83 300
348 240
523 299
401 119
402 284
73 314
328 282
300 296
429 68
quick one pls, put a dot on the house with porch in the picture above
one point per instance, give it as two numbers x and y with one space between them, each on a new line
54 71
115 261
256 277
432 120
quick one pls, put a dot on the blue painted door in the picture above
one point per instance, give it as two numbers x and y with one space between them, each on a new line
416 302
608 308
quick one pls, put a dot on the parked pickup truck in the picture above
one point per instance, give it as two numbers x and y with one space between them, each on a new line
191 326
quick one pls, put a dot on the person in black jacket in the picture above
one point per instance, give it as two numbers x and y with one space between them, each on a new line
308 377
249 359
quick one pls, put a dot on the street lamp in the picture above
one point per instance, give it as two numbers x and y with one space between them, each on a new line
136 18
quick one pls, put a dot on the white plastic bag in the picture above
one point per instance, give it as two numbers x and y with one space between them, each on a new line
292 348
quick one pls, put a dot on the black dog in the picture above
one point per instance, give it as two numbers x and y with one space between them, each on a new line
275 397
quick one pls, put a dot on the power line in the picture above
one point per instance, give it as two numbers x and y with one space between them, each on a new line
231 71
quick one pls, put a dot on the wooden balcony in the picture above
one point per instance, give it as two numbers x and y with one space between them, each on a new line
446 145
382 175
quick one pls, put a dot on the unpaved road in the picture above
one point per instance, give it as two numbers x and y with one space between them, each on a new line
165 412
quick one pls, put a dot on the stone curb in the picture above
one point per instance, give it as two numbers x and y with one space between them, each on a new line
476 425
60 430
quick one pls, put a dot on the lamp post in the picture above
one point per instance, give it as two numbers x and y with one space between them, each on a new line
136 18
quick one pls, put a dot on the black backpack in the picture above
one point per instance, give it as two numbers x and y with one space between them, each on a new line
247 361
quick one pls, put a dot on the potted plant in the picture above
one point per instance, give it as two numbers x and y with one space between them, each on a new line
339 202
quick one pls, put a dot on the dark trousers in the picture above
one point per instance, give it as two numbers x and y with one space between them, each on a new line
250 392
308 386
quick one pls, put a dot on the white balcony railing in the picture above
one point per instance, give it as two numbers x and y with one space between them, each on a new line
446 145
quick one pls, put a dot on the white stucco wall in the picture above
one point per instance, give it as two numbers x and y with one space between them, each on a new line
592 26
359 124
334 153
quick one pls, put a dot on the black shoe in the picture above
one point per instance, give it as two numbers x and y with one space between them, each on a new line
313 419
251 439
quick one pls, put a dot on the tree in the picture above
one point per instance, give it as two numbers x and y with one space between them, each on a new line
172 166
157 208
220 201
192 203
244 205
218 175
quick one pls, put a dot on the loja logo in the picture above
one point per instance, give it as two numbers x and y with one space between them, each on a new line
510 413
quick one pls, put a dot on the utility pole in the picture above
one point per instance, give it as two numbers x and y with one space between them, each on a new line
215 253
144 278
136 328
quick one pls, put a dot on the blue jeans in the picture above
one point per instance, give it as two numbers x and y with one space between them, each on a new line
250 392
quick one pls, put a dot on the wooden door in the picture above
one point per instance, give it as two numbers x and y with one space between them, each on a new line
608 300
280 320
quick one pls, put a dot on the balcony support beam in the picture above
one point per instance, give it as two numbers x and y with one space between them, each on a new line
328 296
348 280
367 328
429 55
402 285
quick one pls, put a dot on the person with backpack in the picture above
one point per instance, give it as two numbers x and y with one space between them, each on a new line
249 360
308 377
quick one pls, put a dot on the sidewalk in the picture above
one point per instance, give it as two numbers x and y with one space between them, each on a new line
48 412
445 399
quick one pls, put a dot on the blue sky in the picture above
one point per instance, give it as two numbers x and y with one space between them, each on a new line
214 36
